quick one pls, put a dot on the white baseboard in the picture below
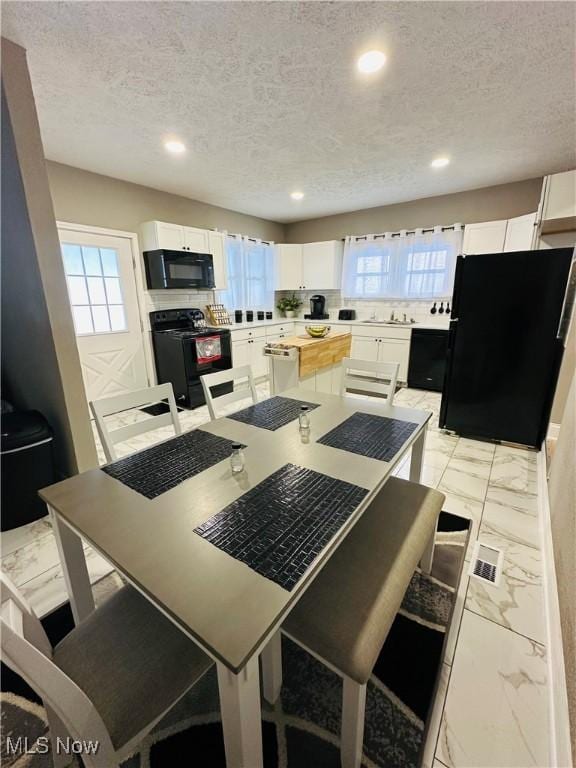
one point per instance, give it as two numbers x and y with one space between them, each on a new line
560 749
553 431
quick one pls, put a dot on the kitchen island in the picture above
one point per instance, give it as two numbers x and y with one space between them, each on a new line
303 361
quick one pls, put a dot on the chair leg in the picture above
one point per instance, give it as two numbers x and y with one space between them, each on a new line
428 556
352 727
271 658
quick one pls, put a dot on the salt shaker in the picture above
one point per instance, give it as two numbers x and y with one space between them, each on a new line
237 458
304 418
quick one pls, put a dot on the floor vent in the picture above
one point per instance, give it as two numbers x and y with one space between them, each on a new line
486 563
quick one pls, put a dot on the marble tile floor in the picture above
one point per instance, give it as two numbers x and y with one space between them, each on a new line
490 709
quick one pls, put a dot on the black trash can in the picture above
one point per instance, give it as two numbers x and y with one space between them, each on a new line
27 465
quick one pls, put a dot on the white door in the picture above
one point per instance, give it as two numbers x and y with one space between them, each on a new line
258 362
102 291
395 351
196 240
217 249
520 233
322 265
364 348
485 237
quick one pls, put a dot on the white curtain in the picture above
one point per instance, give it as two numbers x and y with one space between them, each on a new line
408 266
251 266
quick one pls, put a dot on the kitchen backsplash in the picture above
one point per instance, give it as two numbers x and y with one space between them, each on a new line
419 310
174 299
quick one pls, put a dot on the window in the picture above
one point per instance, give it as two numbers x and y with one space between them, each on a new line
250 274
94 289
404 266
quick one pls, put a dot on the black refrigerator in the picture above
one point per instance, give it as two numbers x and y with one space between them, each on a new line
510 317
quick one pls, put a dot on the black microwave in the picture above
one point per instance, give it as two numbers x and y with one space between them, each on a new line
178 269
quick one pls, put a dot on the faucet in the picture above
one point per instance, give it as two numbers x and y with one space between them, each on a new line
392 316
373 316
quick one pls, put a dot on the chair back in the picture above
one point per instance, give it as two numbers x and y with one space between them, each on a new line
369 376
27 650
243 381
129 401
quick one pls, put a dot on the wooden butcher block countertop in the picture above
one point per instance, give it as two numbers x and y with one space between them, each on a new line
320 353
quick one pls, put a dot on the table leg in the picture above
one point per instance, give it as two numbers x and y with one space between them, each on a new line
271 658
241 715
74 568
428 556
417 457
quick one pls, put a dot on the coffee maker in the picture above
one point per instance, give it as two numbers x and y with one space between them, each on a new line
317 303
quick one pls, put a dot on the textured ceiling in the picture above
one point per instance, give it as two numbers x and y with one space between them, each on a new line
267 98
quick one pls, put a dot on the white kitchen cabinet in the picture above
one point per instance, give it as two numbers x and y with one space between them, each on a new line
174 237
216 246
484 237
247 348
311 267
559 196
384 349
520 233
322 265
289 267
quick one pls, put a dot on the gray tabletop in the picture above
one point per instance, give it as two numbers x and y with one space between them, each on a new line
227 607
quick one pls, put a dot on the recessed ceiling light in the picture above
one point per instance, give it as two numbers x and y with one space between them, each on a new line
174 146
296 195
371 62
440 162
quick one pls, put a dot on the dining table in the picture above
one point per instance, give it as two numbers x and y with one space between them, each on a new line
226 555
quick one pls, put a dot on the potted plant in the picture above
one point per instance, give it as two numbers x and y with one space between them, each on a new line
289 305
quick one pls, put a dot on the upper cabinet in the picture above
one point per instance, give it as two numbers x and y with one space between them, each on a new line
558 205
485 237
521 233
516 234
174 237
311 267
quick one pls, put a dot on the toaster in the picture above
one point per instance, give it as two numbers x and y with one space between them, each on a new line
347 314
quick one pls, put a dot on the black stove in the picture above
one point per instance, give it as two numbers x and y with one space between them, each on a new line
185 348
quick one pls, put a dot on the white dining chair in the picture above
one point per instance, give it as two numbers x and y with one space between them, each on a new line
115 404
345 615
242 379
110 680
369 376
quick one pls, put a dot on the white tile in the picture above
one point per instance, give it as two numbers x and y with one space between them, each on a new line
514 473
526 502
474 449
517 602
460 484
513 524
470 466
435 718
496 709
431 476
32 560
24 535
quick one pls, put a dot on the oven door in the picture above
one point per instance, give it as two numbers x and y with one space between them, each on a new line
179 269
206 354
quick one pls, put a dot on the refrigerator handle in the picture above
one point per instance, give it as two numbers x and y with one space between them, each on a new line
456 288
568 305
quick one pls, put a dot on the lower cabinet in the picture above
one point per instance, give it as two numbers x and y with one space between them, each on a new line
249 352
385 350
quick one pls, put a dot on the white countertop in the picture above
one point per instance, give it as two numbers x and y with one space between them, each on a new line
433 323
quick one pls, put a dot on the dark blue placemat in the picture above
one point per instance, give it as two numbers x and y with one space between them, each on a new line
279 527
273 413
164 466
376 437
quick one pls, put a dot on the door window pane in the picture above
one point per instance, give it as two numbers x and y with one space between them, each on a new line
94 289
82 320
101 320
109 262
117 319
72 259
77 290
113 292
92 265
